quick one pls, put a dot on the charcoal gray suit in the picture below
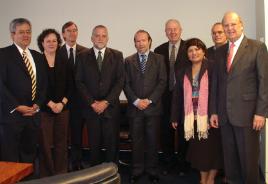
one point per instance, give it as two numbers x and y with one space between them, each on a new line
144 123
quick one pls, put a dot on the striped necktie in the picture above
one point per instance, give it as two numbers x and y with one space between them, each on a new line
143 62
31 73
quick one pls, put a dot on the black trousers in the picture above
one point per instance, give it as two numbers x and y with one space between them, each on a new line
76 129
144 132
19 140
102 133
241 151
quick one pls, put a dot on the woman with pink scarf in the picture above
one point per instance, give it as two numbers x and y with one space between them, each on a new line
190 107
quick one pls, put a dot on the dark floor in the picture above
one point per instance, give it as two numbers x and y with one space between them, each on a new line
174 177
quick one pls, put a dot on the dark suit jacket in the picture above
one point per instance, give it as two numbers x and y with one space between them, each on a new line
181 59
106 84
180 64
149 85
64 53
177 110
242 92
17 82
63 84
75 101
211 53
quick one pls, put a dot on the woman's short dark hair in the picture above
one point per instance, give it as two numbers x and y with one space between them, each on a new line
44 34
195 42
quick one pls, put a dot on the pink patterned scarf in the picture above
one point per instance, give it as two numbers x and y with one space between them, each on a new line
202 109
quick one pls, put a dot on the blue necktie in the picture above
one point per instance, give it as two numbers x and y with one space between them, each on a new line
143 62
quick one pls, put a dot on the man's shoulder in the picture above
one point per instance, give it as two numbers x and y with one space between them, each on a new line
154 54
253 42
114 51
161 47
8 48
81 48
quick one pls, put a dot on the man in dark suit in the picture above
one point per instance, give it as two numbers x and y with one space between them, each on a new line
100 79
174 65
24 86
239 101
219 39
70 51
145 84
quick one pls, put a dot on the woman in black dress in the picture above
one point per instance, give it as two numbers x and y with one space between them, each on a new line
190 106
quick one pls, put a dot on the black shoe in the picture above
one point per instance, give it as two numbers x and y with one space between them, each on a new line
165 172
154 178
77 167
134 178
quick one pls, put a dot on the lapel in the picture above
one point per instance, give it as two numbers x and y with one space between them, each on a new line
18 59
149 63
188 73
65 53
106 64
92 58
136 62
166 52
180 51
237 58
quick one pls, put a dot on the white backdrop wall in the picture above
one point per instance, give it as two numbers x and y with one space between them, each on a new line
125 17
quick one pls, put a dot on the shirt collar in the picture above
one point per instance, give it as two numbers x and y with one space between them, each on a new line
68 47
96 51
238 42
146 54
21 50
177 45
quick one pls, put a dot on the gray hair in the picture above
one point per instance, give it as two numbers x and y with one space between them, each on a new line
97 27
173 20
18 21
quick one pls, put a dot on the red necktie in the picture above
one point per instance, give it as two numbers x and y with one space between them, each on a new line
230 55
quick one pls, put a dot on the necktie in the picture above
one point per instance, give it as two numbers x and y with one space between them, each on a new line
172 60
71 57
230 55
99 60
31 73
143 62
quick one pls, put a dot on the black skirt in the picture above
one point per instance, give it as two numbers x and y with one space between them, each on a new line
205 154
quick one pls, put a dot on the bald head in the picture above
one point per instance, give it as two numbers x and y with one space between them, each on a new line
232 25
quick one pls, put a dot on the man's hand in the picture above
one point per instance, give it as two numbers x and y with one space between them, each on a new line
258 122
25 110
214 121
58 108
143 104
174 125
100 106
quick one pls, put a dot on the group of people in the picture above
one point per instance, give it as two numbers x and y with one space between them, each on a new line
216 99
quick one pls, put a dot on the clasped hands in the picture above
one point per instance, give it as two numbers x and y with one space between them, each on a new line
99 106
55 107
27 110
143 104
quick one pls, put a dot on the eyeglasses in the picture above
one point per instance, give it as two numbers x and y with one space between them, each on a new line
71 30
217 32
